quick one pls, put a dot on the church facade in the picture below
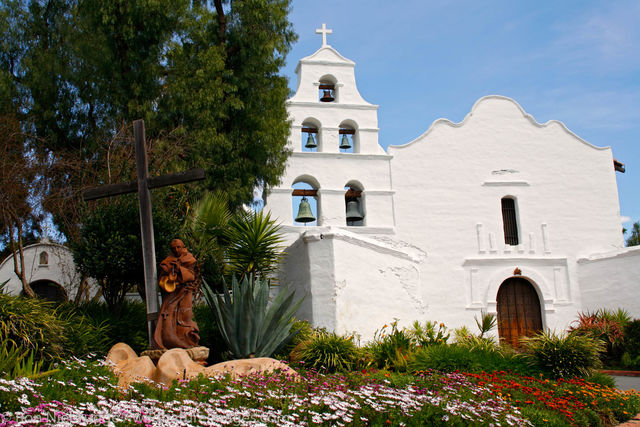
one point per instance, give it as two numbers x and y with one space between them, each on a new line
497 214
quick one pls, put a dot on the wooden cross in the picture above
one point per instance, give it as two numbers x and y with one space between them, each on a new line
324 31
142 186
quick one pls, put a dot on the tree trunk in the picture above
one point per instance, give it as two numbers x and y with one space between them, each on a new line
18 256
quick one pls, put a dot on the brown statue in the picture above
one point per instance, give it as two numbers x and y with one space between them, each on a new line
178 279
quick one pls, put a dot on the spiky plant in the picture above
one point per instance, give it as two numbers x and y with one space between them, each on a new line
249 324
486 322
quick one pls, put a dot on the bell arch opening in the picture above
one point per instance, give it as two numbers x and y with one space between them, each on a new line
328 89
311 135
349 139
305 201
519 310
354 204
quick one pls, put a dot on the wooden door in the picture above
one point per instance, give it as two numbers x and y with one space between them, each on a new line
518 310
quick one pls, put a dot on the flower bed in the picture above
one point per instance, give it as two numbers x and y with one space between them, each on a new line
84 393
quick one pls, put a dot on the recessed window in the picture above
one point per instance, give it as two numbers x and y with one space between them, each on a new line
510 221
44 258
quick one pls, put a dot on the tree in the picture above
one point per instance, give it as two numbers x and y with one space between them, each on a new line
109 248
634 237
19 183
84 69
227 243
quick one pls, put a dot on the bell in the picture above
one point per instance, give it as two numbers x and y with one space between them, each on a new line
327 96
353 211
311 142
344 143
304 212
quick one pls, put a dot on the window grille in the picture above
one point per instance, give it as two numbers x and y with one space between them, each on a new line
509 221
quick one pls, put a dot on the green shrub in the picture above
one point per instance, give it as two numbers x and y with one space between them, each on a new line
565 355
429 334
128 326
290 351
33 325
391 350
462 357
210 335
330 351
607 326
251 326
602 379
632 337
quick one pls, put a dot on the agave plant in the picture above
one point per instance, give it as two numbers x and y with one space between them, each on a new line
249 324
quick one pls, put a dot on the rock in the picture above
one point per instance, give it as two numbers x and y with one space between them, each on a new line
176 364
242 367
120 352
128 366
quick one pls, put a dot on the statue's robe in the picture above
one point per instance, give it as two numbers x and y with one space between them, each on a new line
176 327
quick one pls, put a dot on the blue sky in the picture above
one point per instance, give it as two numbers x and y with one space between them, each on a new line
573 61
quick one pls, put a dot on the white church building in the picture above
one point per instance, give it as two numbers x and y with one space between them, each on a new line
497 214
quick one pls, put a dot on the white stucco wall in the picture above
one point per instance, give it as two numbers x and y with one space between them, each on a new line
448 185
611 280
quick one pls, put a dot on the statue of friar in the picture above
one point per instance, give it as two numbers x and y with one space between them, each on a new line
178 279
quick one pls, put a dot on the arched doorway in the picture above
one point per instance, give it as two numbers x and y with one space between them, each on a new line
49 290
518 310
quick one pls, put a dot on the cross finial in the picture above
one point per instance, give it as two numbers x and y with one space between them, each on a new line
324 31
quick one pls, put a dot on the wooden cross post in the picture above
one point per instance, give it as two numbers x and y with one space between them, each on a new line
142 186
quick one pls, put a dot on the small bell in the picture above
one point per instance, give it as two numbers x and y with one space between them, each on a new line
344 143
327 96
311 142
353 211
304 212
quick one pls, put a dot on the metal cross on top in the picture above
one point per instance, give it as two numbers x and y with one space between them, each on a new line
142 186
324 31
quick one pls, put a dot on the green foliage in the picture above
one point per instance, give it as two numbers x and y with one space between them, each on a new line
249 324
33 325
486 322
467 358
634 236
564 356
210 335
229 243
206 73
607 326
429 334
602 379
391 349
110 249
631 357
329 351
255 244
51 333
128 325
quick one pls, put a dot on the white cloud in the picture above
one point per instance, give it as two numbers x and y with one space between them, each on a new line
625 219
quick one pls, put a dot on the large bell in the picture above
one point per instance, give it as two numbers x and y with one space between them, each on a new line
311 142
344 143
353 211
327 96
304 212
